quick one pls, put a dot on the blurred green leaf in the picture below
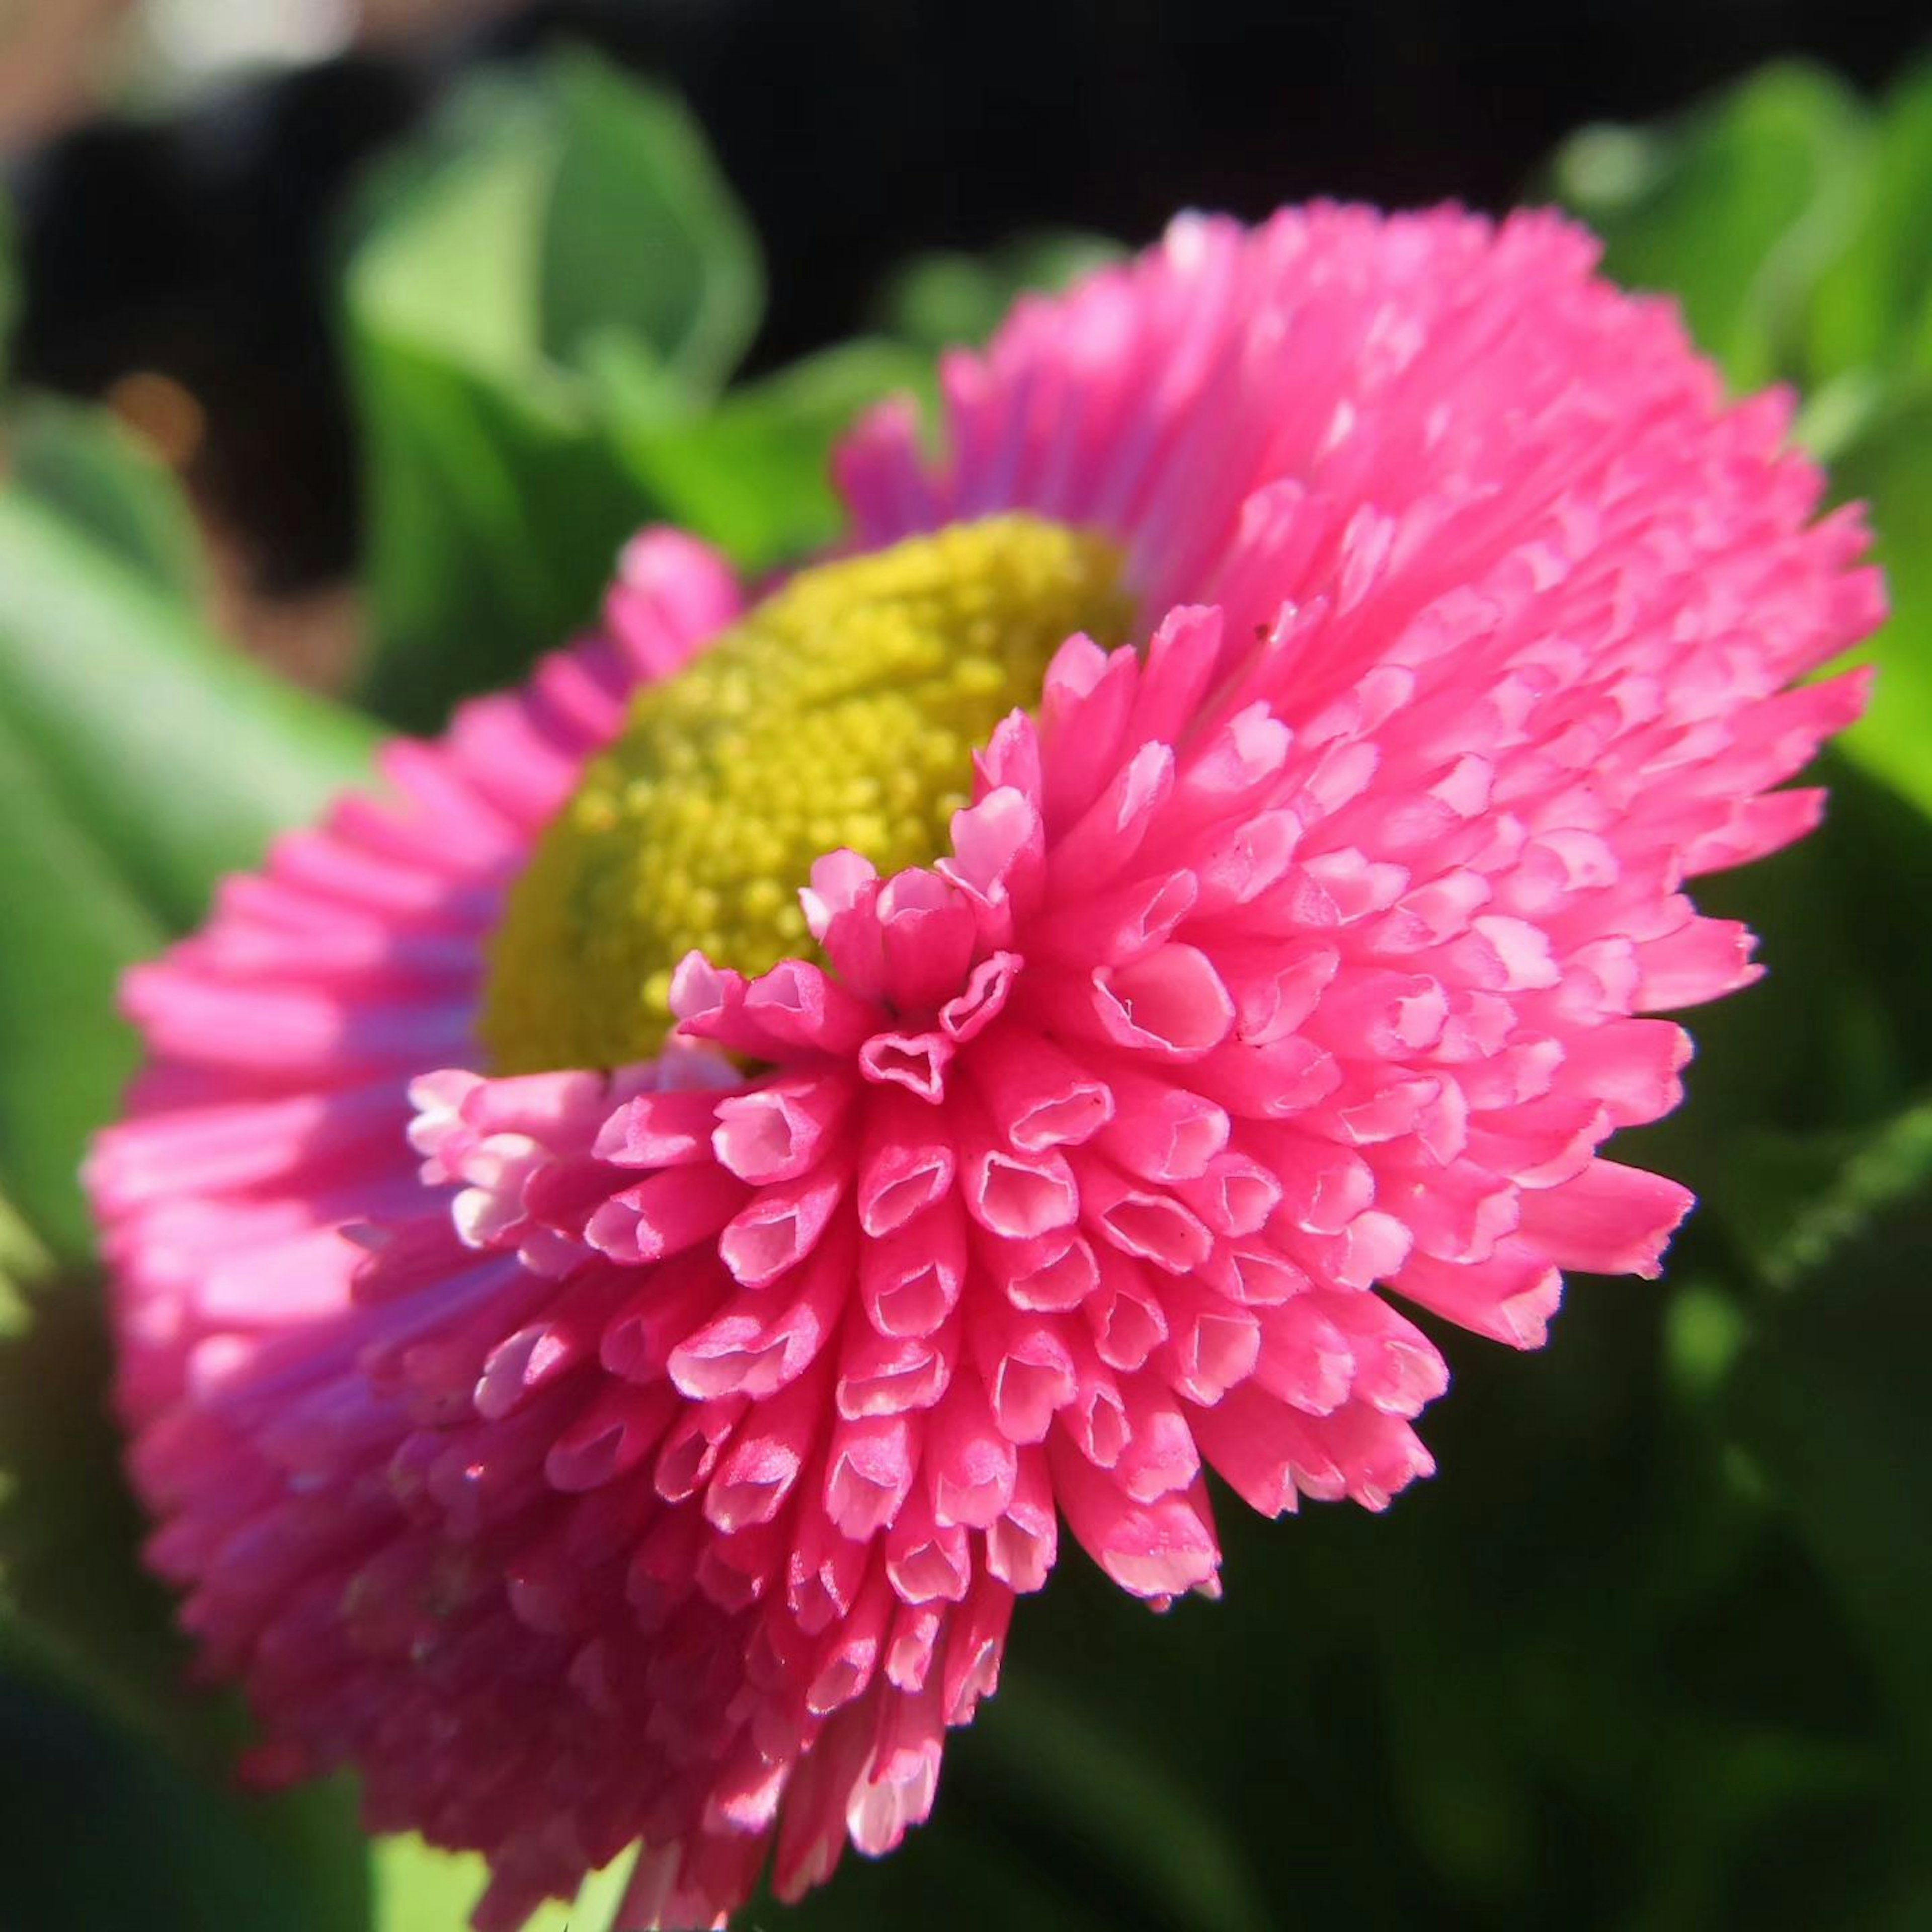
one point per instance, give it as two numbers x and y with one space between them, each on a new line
1889 465
1813 1197
644 237
139 758
494 522
25 1261
105 1830
73 926
80 462
1737 209
752 472
447 233
1829 1399
1875 306
1061 1763
539 221
175 754
109 1757
417 1888
941 300
69 1531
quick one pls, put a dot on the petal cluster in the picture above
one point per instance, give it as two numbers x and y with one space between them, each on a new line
655 1453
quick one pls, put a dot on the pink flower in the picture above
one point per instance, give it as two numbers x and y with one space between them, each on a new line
651 1449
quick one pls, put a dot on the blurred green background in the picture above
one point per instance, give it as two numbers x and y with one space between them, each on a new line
1649 1655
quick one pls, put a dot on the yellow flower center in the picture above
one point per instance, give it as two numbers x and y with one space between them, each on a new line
843 711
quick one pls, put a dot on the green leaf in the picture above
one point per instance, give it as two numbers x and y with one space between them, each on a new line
643 236
1889 465
1737 209
538 222
93 1697
114 1772
177 756
1052 1759
494 521
139 758
1875 307
1829 1399
25 1262
752 473
73 927
449 231
105 1829
69 1575
1815 1196
420 1889
80 462
937 301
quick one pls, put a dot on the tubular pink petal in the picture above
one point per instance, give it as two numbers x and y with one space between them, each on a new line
1022 1545
1126 1316
902 1171
1609 1219
910 1280
1031 1377
1150 1226
970 1463
779 1131
780 1228
881 1375
987 987
1162 1133
663 1215
1047 1276
1019 1196
1041 1097
754 1349
917 1062
1157 1550
1171 1003
869 1472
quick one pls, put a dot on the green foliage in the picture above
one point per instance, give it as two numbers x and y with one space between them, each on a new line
751 473
139 758
73 926
174 753
1887 464
1790 219
416 1889
546 294
114 1774
101 478
537 223
105 1829
1735 211
1830 1397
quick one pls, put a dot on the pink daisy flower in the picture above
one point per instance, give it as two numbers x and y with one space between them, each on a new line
631 1244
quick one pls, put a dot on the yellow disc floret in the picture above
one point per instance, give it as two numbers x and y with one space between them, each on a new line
843 711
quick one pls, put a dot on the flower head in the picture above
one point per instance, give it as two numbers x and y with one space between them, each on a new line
631 1244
